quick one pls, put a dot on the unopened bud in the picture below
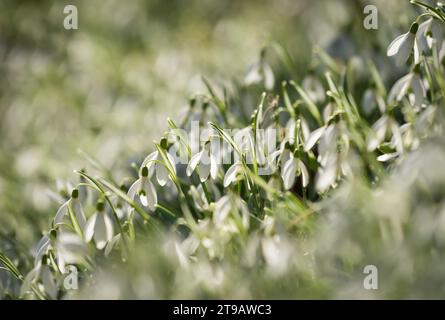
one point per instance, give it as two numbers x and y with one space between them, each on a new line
75 193
144 172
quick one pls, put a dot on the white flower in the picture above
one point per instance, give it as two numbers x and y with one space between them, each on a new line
327 174
199 198
260 71
154 164
384 125
313 88
231 206
99 227
402 46
292 167
145 190
313 138
400 89
430 31
73 204
205 163
70 249
233 173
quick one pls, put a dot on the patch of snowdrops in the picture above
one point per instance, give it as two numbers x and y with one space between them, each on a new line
228 217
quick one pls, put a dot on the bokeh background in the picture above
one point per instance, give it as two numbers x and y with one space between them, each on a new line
108 87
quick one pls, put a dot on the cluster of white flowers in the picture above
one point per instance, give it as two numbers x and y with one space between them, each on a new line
323 132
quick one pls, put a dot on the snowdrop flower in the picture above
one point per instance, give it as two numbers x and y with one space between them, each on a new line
199 198
384 125
73 204
430 31
205 163
70 249
277 253
231 206
401 87
370 100
145 190
402 46
292 167
233 173
296 131
100 227
313 88
258 72
154 164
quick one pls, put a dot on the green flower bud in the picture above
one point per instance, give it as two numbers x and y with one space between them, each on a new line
164 143
100 205
75 193
414 28
144 172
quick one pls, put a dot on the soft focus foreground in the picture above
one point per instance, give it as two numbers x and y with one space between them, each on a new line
356 176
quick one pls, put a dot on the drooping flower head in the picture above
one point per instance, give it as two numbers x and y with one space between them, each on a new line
99 227
402 46
144 189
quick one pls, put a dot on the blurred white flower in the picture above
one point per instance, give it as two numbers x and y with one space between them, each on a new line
292 167
70 249
402 46
231 206
145 190
313 88
260 72
430 31
99 227
381 128
205 163
199 198
73 204
411 81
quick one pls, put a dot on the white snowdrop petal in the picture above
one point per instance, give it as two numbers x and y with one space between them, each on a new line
288 173
313 138
394 46
133 189
111 244
418 90
88 231
222 209
387 156
78 211
193 163
399 89
203 171
304 173
252 75
61 213
416 52
150 195
161 174
326 176
213 167
231 174
397 137
405 49
100 231
269 79
108 226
